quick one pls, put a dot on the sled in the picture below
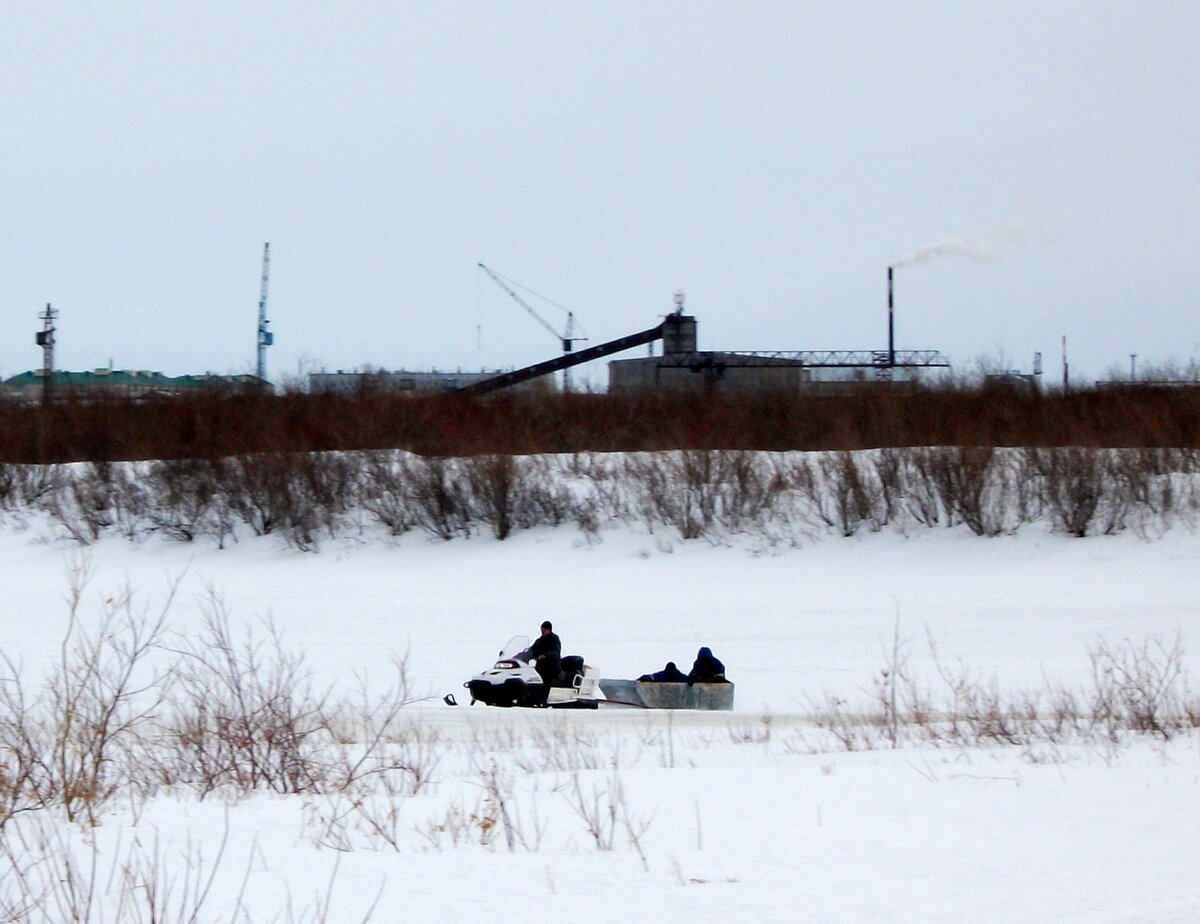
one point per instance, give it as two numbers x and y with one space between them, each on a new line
644 694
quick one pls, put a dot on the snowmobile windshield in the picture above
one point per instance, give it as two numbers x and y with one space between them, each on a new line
515 646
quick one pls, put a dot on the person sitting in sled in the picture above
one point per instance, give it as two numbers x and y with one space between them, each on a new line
546 654
669 674
707 669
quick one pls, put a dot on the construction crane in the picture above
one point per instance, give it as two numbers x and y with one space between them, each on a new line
567 338
265 337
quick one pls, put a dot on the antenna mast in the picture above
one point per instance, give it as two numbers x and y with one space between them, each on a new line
265 337
45 339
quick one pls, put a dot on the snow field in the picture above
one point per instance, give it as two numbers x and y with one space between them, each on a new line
750 815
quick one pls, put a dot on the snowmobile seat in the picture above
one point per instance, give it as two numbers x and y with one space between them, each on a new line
572 667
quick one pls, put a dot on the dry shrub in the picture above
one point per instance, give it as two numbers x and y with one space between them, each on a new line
385 491
1134 688
440 501
857 498
710 493
695 491
975 484
244 714
9 475
1141 686
184 491
495 483
1074 484
212 424
81 740
297 495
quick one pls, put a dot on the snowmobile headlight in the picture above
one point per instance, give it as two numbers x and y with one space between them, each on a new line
506 665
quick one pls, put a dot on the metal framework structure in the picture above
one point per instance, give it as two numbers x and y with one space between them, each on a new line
837 359
45 339
265 337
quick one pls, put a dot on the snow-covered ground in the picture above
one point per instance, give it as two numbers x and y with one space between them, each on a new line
717 817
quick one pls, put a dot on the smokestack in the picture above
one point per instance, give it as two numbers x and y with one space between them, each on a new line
891 323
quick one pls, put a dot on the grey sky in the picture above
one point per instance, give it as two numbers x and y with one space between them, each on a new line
769 159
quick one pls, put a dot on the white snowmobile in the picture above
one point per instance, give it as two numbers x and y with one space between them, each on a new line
513 681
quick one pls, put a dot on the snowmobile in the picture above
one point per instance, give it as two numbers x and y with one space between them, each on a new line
513 681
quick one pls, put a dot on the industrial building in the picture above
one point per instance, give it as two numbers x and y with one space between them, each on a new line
684 367
829 372
342 382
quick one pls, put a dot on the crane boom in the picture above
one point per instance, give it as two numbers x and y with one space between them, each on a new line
499 280
567 338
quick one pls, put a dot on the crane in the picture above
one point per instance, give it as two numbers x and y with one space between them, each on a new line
567 338
265 337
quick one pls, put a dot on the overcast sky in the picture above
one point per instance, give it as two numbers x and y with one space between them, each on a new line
768 159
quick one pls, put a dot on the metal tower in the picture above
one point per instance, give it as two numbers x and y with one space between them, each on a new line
45 339
265 337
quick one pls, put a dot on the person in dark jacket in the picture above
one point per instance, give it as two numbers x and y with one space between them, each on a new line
546 654
669 674
707 669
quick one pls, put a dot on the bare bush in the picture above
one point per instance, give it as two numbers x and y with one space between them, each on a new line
79 742
855 495
244 714
597 810
1141 687
1135 688
440 500
922 496
546 500
49 877
183 492
82 501
711 494
675 490
891 468
9 478
1075 482
496 485
974 483
385 491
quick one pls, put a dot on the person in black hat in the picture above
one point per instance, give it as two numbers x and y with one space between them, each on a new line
546 653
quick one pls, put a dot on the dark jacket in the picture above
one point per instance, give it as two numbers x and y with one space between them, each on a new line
549 649
707 668
669 674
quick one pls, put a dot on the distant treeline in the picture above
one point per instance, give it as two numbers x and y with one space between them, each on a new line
213 425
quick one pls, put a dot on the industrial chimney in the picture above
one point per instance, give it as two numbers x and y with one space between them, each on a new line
891 323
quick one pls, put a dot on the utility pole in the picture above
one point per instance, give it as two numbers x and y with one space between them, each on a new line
1066 366
45 339
1133 367
265 337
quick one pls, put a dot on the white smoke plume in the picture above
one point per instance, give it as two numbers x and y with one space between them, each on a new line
1013 232
950 247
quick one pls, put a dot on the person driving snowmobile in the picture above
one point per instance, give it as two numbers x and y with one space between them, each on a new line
546 654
